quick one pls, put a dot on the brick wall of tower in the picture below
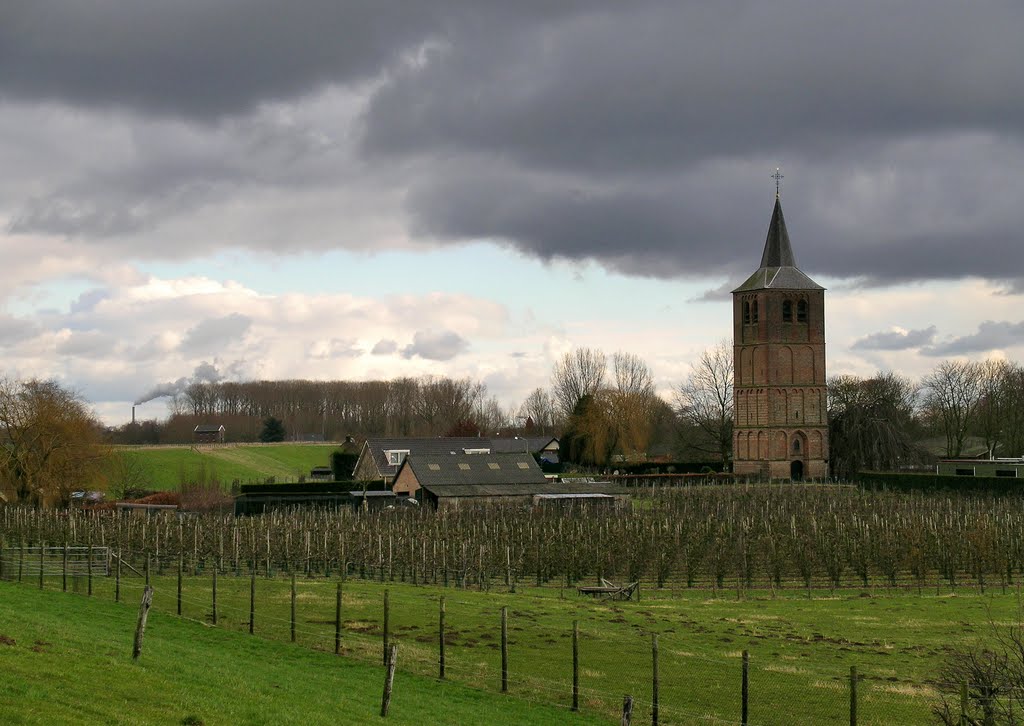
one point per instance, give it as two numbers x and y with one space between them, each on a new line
779 391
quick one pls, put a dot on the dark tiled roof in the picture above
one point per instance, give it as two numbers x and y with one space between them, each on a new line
778 268
208 428
476 469
419 447
512 490
521 443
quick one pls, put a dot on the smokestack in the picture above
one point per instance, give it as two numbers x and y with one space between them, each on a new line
133 415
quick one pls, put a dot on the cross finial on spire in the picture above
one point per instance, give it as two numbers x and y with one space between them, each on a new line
777 176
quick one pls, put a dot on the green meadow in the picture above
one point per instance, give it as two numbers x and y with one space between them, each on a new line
800 649
167 467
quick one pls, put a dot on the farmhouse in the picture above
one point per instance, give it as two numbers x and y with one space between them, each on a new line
490 470
781 431
380 458
208 434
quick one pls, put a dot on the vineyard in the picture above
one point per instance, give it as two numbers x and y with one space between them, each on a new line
759 536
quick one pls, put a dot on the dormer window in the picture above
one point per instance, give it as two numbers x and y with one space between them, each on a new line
801 311
787 311
396 456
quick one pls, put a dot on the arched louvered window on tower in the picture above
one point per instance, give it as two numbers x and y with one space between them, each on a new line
801 311
787 311
753 312
746 313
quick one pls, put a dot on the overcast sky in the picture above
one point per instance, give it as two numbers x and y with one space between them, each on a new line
207 189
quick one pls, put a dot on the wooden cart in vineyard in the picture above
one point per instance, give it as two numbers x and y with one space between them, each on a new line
611 591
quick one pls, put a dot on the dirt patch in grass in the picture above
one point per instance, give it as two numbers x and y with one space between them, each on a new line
7 640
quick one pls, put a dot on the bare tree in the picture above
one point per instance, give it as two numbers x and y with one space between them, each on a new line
578 374
998 417
540 409
632 404
952 392
705 400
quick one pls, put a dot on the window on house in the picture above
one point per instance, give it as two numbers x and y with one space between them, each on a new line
965 472
434 467
1006 472
396 457
523 465
787 311
746 313
492 465
464 467
801 311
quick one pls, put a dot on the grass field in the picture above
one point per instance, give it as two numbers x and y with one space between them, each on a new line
800 649
166 467
67 659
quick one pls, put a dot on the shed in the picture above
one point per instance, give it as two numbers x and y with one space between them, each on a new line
540 494
467 469
209 434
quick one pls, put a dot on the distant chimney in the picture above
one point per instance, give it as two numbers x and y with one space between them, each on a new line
133 415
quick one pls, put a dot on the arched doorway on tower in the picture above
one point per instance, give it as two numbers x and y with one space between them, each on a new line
796 470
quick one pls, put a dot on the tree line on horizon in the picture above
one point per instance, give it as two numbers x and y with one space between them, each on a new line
603 408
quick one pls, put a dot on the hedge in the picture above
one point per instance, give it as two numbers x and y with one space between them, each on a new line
315 487
901 481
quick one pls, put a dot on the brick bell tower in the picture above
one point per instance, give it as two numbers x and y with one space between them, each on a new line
781 427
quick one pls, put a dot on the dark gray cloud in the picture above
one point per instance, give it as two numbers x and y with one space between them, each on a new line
896 340
384 347
640 135
14 330
213 334
435 345
990 336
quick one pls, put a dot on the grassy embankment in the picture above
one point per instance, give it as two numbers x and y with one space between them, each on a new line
801 649
166 467
67 659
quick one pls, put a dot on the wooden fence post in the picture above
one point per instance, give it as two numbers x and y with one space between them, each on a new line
387 623
853 695
89 565
64 578
140 626
214 591
440 640
389 679
252 601
337 621
42 549
504 649
627 711
181 566
117 579
293 606
21 559
146 567
655 683
964 697
575 665
745 689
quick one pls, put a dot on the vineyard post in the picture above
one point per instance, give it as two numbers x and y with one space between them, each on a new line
853 695
745 688
214 592
627 711
387 623
42 549
337 621
575 665
21 559
117 579
146 567
293 607
654 679
140 626
504 649
181 567
64 573
252 601
389 679
89 566
440 640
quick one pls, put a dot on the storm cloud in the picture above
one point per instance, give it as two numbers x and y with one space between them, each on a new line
638 135
991 335
896 339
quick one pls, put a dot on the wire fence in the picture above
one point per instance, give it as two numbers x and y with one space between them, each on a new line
569 652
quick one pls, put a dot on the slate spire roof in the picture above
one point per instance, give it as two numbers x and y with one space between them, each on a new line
778 268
